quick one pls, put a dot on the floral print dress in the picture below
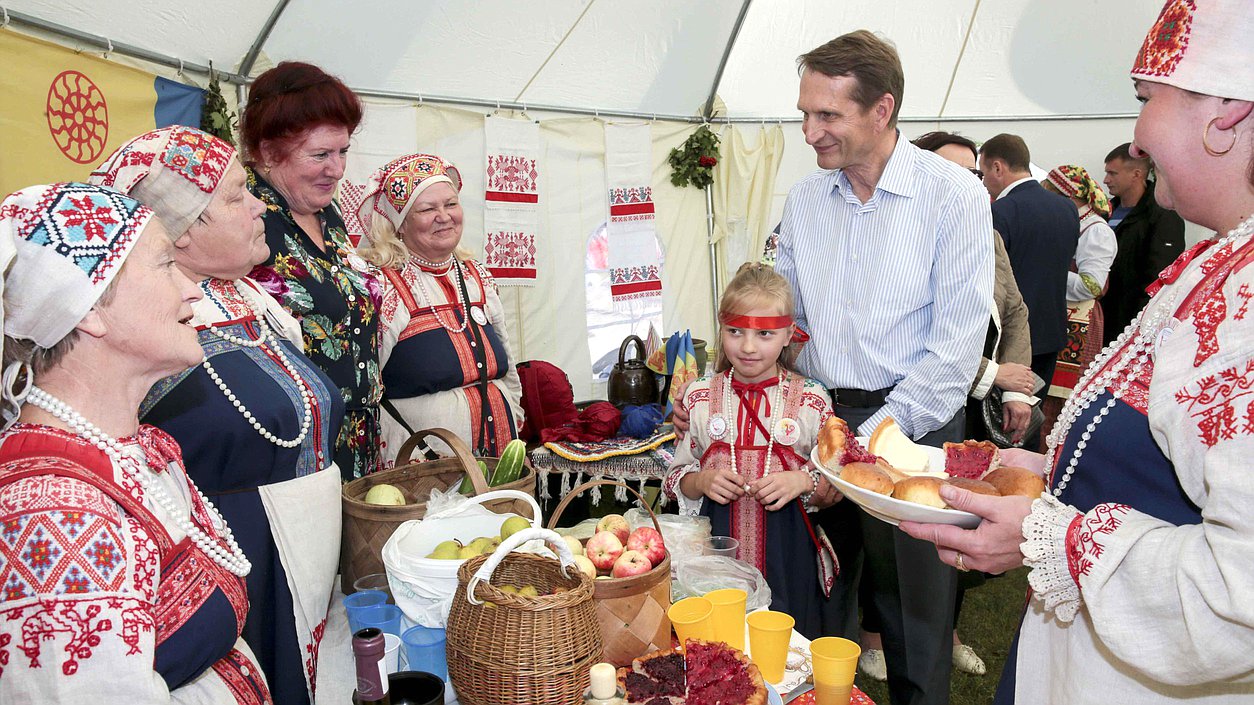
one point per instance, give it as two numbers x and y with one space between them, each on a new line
335 295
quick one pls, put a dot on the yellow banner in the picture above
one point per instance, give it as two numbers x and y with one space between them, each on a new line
63 112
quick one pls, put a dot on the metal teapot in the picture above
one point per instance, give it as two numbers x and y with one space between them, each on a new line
631 381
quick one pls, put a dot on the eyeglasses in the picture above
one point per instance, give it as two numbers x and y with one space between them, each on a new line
978 174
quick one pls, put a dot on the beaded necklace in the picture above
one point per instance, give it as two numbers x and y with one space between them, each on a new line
267 335
459 287
1096 378
233 559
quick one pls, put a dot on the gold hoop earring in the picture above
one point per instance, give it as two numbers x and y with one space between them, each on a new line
1210 150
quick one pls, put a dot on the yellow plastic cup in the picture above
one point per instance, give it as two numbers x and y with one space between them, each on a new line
835 661
769 634
728 617
691 619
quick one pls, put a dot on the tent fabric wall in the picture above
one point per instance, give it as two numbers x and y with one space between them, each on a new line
744 187
548 320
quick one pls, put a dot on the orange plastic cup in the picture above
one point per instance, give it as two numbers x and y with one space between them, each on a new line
728 618
835 661
769 634
691 619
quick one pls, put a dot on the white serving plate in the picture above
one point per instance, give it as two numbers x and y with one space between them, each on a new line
895 511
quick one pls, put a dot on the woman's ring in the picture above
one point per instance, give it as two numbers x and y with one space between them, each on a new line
959 564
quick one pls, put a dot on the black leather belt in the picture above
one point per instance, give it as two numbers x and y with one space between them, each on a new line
859 398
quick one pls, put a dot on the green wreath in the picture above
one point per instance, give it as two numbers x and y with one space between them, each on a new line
693 162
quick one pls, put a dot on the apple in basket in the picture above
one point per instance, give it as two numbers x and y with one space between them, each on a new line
615 524
603 549
576 548
386 494
585 566
648 541
631 563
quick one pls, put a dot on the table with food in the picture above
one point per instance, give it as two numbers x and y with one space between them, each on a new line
474 597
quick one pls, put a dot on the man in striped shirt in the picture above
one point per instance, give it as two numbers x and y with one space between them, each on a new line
889 254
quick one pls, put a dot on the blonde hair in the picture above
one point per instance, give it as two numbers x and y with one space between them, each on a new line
383 247
756 285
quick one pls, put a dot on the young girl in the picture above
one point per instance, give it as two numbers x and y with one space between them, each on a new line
744 461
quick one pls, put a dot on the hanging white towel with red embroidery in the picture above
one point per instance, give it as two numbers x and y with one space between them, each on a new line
635 268
511 211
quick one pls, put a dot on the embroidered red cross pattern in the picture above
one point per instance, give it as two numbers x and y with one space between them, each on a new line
1224 404
90 217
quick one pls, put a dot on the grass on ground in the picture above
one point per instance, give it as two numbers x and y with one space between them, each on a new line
990 616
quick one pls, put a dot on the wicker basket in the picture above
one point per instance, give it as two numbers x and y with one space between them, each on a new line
368 526
522 650
631 611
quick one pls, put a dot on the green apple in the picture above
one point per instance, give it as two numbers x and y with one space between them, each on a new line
385 494
446 551
528 591
513 590
576 548
468 551
512 526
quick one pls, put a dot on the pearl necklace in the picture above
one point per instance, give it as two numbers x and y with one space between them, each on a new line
267 335
1097 378
728 410
459 286
433 265
233 559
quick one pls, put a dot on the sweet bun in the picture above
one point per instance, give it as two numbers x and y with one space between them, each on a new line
923 490
976 486
1011 480
832 442
868 477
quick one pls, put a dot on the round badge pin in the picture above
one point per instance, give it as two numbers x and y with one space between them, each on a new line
480 316
787 431
717 427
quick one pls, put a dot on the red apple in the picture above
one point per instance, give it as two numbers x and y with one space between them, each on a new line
615 524
603 549
631 563
647 540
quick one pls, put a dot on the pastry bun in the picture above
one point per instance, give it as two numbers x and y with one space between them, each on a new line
1016 481
923 490
868 477
832 442
976 486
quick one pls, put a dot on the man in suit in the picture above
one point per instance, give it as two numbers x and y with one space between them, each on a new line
1041 230
1150 237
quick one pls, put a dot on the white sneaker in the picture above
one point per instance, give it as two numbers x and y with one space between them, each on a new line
967 661
871 662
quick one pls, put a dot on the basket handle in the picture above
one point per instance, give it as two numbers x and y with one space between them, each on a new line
518 538
461 451
511 494
570 496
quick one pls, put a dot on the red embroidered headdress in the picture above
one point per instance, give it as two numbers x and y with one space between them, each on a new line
1204 46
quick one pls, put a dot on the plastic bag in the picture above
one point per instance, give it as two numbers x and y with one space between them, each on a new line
684 535
423 587
698 576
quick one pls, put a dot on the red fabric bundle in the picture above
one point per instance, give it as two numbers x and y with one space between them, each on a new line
596 423
547 398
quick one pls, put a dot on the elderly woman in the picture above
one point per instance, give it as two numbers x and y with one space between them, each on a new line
256 419
295 132
122 583
445 355
1141 549
1094 253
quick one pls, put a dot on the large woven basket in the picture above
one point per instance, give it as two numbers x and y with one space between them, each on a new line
516 650
631 611
368 526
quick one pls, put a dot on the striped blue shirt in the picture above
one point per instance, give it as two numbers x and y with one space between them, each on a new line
894 291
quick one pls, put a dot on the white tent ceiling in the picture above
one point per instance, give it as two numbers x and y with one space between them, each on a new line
963 58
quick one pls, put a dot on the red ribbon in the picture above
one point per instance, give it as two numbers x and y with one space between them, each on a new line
756 322
1173 270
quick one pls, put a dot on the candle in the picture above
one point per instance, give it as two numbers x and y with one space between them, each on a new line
604 681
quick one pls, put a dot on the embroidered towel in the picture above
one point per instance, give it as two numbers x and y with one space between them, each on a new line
635 269
511 200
